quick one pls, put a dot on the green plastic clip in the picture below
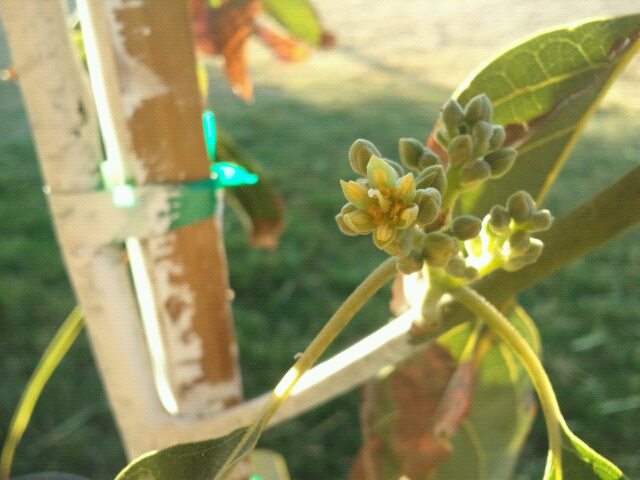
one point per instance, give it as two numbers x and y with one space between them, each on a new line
223 173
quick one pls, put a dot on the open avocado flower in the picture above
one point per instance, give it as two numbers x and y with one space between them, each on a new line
381 204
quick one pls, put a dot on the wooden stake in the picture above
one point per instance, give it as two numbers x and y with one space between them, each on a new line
140 56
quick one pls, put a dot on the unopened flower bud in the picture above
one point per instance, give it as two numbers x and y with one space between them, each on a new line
534 251
428 201
530 256
478 108
513 264
460 150
410 263
432 177
499 217
396 166
456 266
439 248
501 161
472 174
540 221
427 159
359 155
481 133
442 138
452 115
410 151
470 273
466 227
521 206
519 242
498 137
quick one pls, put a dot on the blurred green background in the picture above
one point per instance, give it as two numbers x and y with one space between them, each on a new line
300 127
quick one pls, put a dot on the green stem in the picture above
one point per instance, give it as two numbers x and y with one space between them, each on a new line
499 324
55 352
338 321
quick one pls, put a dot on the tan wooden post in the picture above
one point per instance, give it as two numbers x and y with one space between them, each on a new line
141 61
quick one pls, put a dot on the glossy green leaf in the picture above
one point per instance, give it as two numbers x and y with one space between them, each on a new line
203 460
581 461
298 17
544 90
259 206
489 440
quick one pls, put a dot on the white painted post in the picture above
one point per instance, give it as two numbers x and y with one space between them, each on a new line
61 113
155 136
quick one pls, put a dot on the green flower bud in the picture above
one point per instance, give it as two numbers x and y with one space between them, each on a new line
396 166
439 248
359 155
410 151
427 159
478 108
432 177
456 266
470 273
481 133
540 221
499 217
534 251
410 264
521 206
498 137
501 161
466 227
452 115
460 150
519 242
513 264
472 174
428 201
530 256
442 138
344 228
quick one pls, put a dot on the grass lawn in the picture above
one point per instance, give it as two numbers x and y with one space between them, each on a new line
300 130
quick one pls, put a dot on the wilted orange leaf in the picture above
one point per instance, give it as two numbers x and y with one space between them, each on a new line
224 31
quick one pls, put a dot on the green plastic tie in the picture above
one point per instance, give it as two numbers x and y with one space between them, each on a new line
210 129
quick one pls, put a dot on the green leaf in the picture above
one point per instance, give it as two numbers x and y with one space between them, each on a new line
259 206
51 358
544 90
196 461
581 461
490 438
298 17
